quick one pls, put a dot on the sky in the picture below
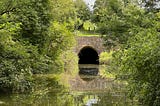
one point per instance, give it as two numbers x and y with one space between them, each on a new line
90 3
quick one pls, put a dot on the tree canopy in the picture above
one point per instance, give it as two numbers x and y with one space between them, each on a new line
33 35
135 31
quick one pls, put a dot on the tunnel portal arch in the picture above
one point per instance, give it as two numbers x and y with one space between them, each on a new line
88 55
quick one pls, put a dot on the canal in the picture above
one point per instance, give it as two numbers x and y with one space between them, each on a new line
84 89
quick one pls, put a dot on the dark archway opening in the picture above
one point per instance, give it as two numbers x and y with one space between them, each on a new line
88 55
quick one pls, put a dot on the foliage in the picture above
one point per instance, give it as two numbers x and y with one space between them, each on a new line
82 10
105 57
70 62
60 39
64 11
109 18
136 30
15 72
89 26
83 15
86 33
137 61
30 42
140 62
35 18
117 21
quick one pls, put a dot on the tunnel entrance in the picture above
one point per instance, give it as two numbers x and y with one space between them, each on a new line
88 55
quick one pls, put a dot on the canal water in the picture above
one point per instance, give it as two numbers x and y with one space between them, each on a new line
86 89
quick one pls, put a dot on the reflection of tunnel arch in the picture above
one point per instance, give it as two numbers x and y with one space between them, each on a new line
88 55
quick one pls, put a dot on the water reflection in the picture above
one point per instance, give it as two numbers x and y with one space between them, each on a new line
68 99
87 77
88 69
88 72
91 102
96 92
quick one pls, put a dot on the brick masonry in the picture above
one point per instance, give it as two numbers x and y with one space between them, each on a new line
94 42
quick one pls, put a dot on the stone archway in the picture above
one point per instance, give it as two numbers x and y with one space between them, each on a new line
88 55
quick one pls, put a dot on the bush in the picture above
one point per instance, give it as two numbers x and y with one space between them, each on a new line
70 60
105 57
141 63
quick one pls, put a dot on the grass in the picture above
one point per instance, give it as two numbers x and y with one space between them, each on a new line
86 33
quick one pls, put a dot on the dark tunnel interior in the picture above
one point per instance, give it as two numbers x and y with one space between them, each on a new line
88 55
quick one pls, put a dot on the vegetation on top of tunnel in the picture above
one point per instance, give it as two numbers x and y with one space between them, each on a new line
87 33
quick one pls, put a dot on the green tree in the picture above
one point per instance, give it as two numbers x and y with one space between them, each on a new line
64 11
83 13
140 62
82 10
31 42
35 18
136 31
15 71
111 22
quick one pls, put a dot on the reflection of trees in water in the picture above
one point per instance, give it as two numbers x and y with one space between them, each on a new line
62 98
100 90
112 98
96 83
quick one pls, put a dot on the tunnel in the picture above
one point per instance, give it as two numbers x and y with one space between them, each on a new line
88 55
